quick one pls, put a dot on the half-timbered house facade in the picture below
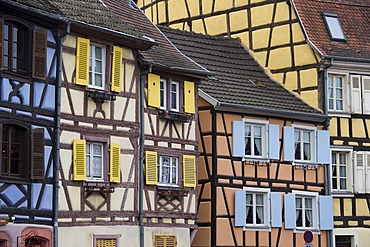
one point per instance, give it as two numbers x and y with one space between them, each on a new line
264 153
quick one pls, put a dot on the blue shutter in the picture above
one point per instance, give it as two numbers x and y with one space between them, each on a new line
238 139
288 143
326 212
276 214
240 208
273 152
289 211
323 147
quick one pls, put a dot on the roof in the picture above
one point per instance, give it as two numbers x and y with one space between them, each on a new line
238 79
120 18
354 16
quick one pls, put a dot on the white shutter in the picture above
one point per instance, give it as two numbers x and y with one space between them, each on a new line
367 172
366 94
359 172
356 94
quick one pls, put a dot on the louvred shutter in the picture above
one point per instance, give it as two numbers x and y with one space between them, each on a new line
189 171
115 162
154 90
37 171
189 97
82 61
79 159
151 167
39 53
1 43
117 69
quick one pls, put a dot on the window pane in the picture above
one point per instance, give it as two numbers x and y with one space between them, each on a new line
257 131
342 171
308 203
307 151
98 80
306 136
98 67
330 81
343 184
97 149
259 199
249 215
259 215
97 167
88 174
309 220
98 53
342 158
258 146
14 167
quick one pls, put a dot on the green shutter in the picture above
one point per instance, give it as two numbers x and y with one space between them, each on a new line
151 167
115 162
82 61
116 83
154 86
189 171
189 97
79 160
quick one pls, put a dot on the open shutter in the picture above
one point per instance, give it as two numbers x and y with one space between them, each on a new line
273 147
367 172
366 94
189 97
289 211
116 83
238 139
326 212
1 43
39 53
356 94
79 160
288 138
37 150
360 166
154 86
115 162
189 171
323 147
151 167
240 208
82 61
276 209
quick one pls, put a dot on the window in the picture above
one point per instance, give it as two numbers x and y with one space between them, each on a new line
360 86
255 139
163 94
97 66
304 212
106 240
344 241
94 161
164 170
303 145
334 27
168 170
256 208
165 241
175 96
336 88
173 99
341 170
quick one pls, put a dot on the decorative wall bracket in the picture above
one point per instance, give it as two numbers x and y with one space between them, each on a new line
173 116
169 191
101 96
306 166
100 189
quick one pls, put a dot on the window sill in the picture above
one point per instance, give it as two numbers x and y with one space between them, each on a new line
171 191
15 76
176 116
305 166
342 194
339 114
100 95
256 228
303 229
100 187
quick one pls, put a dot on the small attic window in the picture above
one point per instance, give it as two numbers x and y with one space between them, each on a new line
334 28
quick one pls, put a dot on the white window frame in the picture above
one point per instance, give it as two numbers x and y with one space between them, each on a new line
177 92
344 78
91 164
163 94
92 60
312 131
349 169
264 138
315 210
160 164
266 195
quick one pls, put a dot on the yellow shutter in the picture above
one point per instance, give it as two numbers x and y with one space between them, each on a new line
189 97
151 167
189 171
154 86
79 159
106 242
115 162
82 61
165 241
116 83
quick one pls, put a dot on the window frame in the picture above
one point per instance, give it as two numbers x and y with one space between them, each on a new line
159 164
177 107
167 100
264 138
312 131
105 159
266 195
93 73
96 237
331 26
345 90
315 210
348 152
163 96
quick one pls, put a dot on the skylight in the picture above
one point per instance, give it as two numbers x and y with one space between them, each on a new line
334 28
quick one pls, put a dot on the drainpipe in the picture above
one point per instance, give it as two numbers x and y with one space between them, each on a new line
57 132
141 154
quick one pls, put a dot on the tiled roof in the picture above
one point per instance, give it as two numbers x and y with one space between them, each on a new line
354 16
238 79
118 16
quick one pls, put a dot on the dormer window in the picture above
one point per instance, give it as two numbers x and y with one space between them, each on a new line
334 27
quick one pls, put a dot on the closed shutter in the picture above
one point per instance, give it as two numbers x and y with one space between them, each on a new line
189 97
165 241
240 208
82 61
1 43
106 243
288 139
189 171
39 53
360 172
366 94
367 172
356 94
289 211
151 167
238 139
274 143
323 147
37 150
154 86
115 162
276 209
116 83
326 212
79 159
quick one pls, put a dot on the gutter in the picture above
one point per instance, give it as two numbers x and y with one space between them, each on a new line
57 132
